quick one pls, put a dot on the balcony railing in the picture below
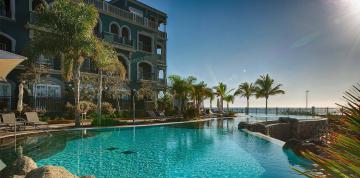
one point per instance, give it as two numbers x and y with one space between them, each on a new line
113 38
118 12
162 35
146 76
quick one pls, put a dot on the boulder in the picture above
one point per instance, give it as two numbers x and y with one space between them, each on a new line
50 172
242 125
293 144
299 146
24 165
20 167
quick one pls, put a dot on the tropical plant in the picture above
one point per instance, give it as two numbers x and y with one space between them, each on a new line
146 91
246 90
69 25
229 99
107 62
115 89
181 88
264 88
222 91
165 102
210 94
199 93
341 156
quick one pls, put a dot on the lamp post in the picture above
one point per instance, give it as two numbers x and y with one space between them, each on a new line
133 93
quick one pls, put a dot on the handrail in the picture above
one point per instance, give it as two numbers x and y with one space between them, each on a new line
118 12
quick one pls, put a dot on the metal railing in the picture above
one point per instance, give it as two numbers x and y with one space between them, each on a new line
105 7
287 111
146 76
48 104
116 39
162 35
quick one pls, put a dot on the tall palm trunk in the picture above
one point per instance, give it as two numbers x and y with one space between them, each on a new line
266 105
227 106
222 103
100 93
247 105
211 104
77 93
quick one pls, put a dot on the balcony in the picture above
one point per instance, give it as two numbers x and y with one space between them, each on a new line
146 76
115 39
107 8
162 35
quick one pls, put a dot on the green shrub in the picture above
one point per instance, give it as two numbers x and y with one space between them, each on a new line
104 121
88 107
190 113
107 108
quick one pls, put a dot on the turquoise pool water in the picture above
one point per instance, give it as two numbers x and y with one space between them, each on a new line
206 149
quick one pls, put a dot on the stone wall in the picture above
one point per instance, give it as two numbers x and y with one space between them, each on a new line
290 129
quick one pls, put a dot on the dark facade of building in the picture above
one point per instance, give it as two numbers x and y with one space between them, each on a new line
136 30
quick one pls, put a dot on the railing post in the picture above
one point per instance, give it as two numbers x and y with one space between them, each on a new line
276 111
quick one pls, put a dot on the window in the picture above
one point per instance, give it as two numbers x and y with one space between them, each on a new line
136 11
158 50
125 33
6 9
145 43
48 90
5 43
161 74
145 71
5 89
123 62
114 28
44 61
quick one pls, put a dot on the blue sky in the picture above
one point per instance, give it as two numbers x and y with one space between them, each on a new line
303 44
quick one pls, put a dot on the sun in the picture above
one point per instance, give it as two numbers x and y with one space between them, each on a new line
354 6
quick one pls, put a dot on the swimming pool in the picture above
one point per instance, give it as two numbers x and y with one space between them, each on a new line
213 148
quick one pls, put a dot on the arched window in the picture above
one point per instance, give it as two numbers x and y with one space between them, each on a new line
114 28
6 8
37 5
98 29
125 33
6 43
125 64
145 71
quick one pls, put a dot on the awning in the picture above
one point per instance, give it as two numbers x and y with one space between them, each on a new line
8 61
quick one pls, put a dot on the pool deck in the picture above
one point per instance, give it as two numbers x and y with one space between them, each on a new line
29 130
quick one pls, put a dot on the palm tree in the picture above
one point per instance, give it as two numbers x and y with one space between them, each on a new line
210 94
70 26
181 88
222 91
341 141
265 88
228 99
200 93
246 90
